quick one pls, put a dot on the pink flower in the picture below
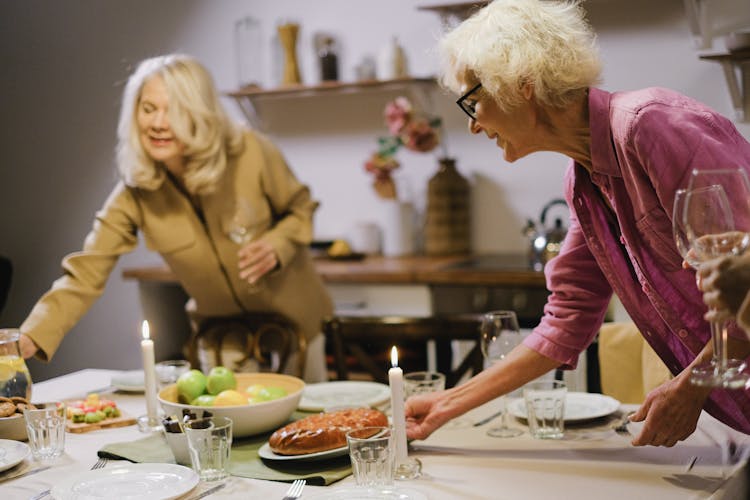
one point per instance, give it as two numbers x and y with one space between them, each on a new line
420 136
381 166
397 114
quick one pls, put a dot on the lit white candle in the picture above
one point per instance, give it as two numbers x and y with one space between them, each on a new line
396 381
149 371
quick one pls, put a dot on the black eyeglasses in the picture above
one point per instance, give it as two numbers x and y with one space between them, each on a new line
469 105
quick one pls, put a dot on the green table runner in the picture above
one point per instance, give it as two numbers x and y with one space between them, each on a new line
244 462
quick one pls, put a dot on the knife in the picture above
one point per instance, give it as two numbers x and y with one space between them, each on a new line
488 419
23 474
209 491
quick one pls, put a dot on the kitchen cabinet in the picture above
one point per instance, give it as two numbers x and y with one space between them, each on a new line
249 97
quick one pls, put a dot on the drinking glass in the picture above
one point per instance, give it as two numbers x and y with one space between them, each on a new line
716 218
45 426
15 379
210 442
167 372
500 334
238 224
372 455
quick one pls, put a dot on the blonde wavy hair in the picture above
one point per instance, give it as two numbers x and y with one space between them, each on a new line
511 43
196 117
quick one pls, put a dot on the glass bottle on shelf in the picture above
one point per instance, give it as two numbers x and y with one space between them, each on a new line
329 61
15 379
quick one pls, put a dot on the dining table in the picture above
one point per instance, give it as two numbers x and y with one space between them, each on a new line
459 460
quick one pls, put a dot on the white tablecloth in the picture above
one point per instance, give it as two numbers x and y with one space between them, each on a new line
464 463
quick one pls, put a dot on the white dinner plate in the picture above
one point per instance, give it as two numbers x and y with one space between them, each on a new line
128 482
319 397
385 493
578 406
12 453
128 381
266 452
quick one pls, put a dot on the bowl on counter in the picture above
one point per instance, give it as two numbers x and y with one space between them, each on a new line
249 419
13 427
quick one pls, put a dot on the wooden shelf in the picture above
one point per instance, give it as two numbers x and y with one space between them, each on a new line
453 13
248 96
254 92
736 66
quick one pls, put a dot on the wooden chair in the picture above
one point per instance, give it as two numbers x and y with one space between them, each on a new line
248 343
369 339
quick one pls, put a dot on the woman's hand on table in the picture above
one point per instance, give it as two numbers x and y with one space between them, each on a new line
28 347
670 412
256 259
425 413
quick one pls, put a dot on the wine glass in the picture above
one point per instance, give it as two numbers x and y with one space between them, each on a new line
238 224
500 334
716 218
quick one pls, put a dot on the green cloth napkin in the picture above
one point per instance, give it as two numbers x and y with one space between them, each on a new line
244 462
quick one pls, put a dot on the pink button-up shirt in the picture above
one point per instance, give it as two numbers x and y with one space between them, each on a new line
644 145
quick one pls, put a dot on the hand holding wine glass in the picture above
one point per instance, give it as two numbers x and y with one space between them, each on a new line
716 218
500 334
256 257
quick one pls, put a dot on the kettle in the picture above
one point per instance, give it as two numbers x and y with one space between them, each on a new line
544 242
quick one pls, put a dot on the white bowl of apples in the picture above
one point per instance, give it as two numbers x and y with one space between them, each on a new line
256 402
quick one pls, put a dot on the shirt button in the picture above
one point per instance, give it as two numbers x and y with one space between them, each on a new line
682 333
644 288
622 239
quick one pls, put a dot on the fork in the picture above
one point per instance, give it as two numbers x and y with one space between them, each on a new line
295 490
98 465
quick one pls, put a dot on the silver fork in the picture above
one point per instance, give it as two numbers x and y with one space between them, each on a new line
295 490
98 465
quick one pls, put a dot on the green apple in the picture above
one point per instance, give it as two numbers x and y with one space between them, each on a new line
203 400
254 389
220 379
190 385
270 393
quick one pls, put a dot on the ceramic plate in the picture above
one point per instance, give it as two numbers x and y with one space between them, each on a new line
12 453
129 381
319 397
370 494
128 482
266 452
578 406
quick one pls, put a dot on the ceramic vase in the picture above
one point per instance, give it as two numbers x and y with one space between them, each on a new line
447 229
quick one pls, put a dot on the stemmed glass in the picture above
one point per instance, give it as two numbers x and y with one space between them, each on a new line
715 227
500 334
237 223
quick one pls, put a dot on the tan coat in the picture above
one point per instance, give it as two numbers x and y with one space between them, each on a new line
202 257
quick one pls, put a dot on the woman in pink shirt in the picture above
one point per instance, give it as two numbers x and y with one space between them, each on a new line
526 71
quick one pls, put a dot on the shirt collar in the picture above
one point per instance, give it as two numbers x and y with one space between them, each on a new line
603 156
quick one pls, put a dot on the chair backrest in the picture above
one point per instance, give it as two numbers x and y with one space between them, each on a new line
369 339
248 343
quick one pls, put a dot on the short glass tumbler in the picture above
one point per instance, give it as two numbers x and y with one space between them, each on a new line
167 372
372 455
210 442
545 408
45 426
423 382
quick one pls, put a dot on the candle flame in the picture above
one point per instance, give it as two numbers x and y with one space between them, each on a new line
394 356
145 330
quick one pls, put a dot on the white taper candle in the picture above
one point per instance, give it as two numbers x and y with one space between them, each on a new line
396 381
149 371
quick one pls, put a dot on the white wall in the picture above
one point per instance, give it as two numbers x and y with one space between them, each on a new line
64 63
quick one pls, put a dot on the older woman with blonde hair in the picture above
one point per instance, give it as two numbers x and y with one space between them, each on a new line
219 204
526 72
